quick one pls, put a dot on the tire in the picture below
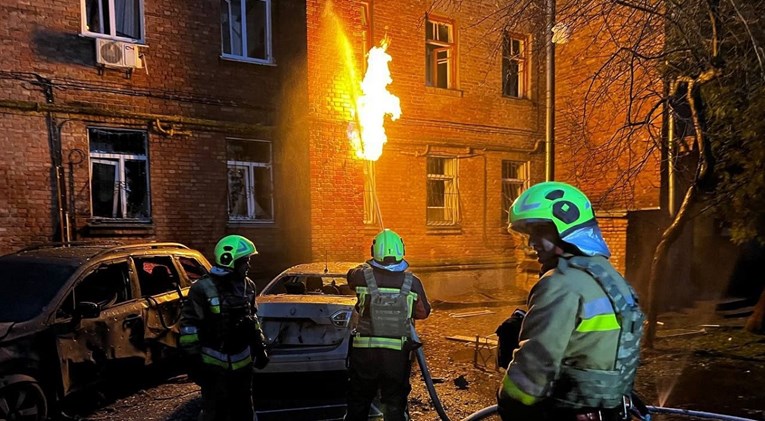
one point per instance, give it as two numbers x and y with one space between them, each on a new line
23 401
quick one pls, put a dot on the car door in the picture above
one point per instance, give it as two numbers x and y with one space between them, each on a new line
160 286
109 334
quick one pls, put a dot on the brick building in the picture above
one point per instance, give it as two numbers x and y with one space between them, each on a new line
138 150
234 119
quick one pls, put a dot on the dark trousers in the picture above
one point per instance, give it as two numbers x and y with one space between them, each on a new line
227 395
373 369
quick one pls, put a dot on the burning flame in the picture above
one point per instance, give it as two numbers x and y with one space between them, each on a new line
371 107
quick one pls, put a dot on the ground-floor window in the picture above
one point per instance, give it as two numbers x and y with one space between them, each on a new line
250 180
119 174
442 191
515 179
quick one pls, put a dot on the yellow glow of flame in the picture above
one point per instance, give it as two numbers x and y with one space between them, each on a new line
373 104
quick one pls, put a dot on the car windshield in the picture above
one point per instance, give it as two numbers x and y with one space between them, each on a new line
27 287
307 284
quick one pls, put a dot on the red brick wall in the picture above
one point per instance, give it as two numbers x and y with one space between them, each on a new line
473 123
616 164
186 78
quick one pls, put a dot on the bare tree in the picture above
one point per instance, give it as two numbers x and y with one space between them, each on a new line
646 49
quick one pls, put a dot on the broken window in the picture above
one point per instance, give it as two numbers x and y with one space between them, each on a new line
156 275
439 53
194 270
365 15
515 179
514 63
442 191
107 286
113 18
119 174
250 180
246 30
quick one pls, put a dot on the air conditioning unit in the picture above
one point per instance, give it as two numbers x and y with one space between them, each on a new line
117 54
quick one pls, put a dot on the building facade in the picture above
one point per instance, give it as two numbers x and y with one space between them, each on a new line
145 120
148 120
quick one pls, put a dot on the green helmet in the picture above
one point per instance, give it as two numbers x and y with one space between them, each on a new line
387 245
232 248
559 203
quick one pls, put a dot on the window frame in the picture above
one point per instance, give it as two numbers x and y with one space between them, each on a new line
437 45
269 59
524 183
365 8
109 159
250 166
523 64
112 23
454 201
370 217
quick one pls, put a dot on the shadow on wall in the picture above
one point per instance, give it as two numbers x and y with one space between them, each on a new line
63 47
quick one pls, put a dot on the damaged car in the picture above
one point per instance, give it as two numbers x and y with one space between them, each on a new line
71 315
307 314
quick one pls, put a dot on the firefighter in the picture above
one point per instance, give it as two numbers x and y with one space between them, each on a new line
389 298
580 340
220 333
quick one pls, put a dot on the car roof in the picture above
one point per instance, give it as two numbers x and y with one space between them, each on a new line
321 268
79 253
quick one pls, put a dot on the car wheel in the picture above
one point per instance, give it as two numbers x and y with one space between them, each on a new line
23 401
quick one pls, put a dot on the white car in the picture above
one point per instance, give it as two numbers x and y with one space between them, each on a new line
307 314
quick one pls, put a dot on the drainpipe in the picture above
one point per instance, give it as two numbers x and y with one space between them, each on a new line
671 154
550 93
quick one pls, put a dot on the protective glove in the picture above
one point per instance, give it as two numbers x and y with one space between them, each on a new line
508 335
261 358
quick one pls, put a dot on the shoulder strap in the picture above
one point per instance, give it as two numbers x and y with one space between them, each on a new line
407 285
369 278
607 283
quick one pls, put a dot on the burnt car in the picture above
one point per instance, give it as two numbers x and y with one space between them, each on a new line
307 314
74 314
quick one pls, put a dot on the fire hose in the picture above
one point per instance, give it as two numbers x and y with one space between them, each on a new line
492 410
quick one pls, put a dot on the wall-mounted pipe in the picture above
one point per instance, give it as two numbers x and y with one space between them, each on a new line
229 127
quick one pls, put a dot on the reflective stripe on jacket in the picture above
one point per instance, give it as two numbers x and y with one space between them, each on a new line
386 282
569 341
208 325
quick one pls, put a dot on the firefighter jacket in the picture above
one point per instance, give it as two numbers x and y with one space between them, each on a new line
219 323
381 325
580 341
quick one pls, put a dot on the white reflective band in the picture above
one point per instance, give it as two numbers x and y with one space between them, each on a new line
226 357
188 330
214 301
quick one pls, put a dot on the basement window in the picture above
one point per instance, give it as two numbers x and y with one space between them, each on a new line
119 174
118 19
440 52
246 30
514 66
250 181
515 179
442 191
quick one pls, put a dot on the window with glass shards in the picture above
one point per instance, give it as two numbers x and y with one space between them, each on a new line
515 179
442 191
514 73
119 174
250 181
439 54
